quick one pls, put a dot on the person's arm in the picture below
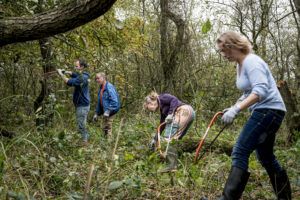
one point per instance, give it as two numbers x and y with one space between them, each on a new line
173 104
170 100
247 102
162 120
62 75
74 81
65 78
242 98
257 74
70 73
114 99
259 83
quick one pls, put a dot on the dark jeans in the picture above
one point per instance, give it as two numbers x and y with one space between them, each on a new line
258 134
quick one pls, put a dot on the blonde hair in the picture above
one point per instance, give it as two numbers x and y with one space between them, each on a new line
231 39
153 96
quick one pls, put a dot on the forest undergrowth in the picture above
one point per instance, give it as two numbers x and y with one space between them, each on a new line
51 163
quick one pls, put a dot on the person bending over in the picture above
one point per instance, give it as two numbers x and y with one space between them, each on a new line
177 118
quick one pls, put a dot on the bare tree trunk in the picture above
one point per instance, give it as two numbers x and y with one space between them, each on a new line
169 55
59 20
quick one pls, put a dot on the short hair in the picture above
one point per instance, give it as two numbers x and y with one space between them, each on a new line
231 39
101 74
82 63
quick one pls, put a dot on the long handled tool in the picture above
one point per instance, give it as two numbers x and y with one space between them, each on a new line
158 146
206 132
211 143
169 139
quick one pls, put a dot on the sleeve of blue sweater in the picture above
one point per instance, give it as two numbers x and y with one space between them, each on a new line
258 77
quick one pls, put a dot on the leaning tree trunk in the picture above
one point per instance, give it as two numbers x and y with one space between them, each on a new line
169 52
292 116
58 20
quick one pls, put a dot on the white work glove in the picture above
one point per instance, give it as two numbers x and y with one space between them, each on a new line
106 113
60 72
230 114
169 118
68 72
225 110
95 117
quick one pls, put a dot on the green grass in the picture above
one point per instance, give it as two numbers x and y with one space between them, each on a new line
50 165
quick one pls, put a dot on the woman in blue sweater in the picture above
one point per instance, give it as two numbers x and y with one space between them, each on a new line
262 98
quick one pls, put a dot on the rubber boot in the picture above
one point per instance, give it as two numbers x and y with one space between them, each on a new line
281 185
235 184
172 161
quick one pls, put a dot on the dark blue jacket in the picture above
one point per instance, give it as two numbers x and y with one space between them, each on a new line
110 100
81 95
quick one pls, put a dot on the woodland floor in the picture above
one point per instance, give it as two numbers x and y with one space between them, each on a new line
50 164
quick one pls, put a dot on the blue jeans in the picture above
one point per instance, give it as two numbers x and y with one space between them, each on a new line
81 117
258 134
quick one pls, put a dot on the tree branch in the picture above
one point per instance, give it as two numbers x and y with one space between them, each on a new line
59 20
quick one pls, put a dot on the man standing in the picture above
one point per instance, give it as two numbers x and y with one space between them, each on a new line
108 103
81 96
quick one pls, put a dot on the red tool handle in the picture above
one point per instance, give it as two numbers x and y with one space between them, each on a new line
158 135
212 121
